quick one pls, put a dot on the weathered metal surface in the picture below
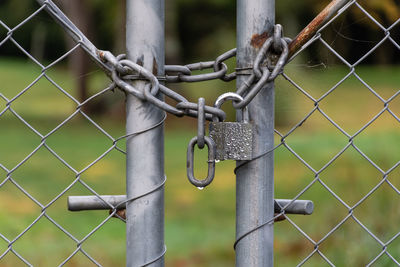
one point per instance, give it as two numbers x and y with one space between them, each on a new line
145 152
254 181
257 40
233 140
78 203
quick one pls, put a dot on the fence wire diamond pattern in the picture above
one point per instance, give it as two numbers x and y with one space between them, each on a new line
284 143
113 145
351 138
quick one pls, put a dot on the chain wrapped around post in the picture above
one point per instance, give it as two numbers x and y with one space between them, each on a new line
268 64
124 71
264 70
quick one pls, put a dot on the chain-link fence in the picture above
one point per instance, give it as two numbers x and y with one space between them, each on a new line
346 164
334 143
52 148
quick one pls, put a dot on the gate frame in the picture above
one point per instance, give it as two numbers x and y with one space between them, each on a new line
145 152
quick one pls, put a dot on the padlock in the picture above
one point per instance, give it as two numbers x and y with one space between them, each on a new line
233 140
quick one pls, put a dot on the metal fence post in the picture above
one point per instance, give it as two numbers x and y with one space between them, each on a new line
254 181
145 152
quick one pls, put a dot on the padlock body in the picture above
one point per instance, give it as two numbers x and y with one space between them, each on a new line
233 140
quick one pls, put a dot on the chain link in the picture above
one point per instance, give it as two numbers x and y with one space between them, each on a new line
125 71
201 124
263 74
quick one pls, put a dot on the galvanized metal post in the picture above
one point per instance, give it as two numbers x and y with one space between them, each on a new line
254 181
145 152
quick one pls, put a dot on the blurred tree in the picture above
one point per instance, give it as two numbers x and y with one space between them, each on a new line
79 13
202 28
173 48
206 27
109 34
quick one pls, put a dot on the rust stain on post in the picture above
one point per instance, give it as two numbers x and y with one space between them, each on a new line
101 54
121 213
140 60
155 67
257 40
308 32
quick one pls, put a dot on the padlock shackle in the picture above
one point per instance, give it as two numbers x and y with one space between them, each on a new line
234 97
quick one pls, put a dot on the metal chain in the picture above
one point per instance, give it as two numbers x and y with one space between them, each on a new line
124 71
265 70
263 74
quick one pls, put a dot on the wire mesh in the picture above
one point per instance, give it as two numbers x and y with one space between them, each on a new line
51 144
354 230
311 241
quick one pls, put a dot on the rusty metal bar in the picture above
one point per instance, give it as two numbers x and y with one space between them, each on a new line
73 31
312 28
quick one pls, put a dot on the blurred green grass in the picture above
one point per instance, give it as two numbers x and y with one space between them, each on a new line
200 225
